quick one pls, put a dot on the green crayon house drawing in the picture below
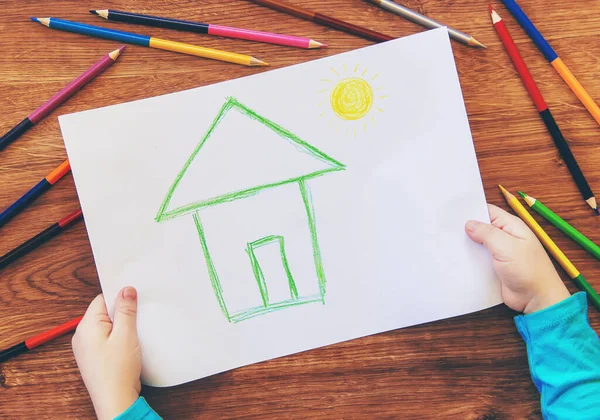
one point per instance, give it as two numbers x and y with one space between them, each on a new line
259 195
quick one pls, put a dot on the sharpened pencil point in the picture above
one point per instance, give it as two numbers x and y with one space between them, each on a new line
592 203
116 53
505 193
101 13
43 21
474 43
312 44
522 194
495 16
257 62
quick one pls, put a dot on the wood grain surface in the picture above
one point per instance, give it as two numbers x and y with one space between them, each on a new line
471 367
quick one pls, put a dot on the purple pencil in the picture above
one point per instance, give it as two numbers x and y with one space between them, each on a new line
64 94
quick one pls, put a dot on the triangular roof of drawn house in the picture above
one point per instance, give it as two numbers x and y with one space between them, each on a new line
285 159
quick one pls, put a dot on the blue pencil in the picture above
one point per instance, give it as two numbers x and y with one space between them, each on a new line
148 41
39 188
553 58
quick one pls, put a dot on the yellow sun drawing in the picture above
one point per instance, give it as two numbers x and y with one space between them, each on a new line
351 101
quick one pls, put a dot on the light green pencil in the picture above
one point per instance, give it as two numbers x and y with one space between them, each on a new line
562 225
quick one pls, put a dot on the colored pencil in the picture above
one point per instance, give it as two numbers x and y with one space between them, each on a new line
552 248
64 94
45 235
39 339
209 29
148 41
562 225
41 187
324 20
553 58
427 22
544 111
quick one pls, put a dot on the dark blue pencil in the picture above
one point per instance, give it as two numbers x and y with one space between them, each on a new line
553 58
35 192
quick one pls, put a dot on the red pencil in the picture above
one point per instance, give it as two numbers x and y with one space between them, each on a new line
39 339
542 108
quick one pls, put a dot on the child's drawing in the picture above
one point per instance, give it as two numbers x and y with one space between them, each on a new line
266 174
351 99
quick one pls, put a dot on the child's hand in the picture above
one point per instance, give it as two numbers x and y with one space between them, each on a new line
108 354
529 280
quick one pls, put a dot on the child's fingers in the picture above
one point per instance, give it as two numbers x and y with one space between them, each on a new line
508 223
95 322
498 242
126 312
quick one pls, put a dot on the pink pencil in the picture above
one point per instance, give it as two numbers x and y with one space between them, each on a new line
205 28
64 94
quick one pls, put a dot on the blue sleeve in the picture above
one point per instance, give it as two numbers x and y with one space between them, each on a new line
139 410
564 359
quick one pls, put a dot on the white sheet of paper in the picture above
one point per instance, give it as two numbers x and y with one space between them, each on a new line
375 243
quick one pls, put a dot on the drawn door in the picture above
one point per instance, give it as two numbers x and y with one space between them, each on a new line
272 273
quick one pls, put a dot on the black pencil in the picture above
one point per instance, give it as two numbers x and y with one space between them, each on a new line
206 28
40 238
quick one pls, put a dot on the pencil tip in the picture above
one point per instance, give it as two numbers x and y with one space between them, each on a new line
504 192
93 12
315 44
257 62
43 21
522 194
116 53
474 43
593 204
495 16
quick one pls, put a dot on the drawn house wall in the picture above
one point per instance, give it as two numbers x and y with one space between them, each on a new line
255 188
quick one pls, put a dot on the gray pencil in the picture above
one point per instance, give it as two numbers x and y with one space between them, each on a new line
422 20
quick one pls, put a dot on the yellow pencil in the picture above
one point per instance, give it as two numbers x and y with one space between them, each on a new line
180 47
548 243
551 247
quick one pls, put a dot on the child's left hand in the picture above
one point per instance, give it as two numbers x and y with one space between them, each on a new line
108 354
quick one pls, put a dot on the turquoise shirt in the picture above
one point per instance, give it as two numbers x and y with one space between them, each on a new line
564 359
139 410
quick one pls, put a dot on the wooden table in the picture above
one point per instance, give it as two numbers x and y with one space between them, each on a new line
472 367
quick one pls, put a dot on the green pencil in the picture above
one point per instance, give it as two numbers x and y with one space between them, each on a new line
562 225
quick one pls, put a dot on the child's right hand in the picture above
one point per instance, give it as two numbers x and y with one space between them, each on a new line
529 280
108 354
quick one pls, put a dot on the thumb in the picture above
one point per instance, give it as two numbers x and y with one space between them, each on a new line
125 313
494 239
95 323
